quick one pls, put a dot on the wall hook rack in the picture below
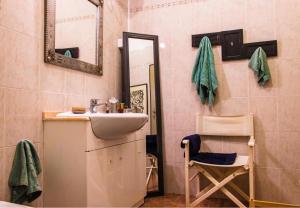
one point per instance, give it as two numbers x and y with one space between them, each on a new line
233 46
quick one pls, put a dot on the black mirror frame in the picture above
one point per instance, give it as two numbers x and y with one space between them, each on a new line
126 97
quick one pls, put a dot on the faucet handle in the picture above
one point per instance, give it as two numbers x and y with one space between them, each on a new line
94 101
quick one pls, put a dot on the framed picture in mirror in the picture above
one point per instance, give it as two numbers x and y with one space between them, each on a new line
139 98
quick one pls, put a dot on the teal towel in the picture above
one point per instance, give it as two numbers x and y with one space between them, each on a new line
204 73
23 179
259 64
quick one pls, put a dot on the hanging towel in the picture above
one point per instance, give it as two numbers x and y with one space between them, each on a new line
23 179
259 64
207 157
204 74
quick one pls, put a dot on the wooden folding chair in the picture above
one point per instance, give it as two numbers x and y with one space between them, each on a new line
222 126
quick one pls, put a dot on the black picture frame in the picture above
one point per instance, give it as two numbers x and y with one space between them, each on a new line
126 97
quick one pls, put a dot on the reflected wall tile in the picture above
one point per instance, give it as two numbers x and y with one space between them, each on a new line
289 113
289 181
267 184
265 113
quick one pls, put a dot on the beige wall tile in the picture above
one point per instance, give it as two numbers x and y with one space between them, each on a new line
288 73
267 182
52 102
264 29
289 113
265 113
52 78
289 146
9 153
233 80
267 150
1 117
20 16
21 116
290 187
75 83
73 101
2 179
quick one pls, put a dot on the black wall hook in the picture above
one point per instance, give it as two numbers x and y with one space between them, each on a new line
233 46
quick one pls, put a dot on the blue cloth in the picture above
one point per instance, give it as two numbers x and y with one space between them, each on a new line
207 157
151 144
215 158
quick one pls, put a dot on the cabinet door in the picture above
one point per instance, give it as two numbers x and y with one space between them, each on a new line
141 169
103 177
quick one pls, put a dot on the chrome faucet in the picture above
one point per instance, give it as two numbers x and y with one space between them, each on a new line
94 103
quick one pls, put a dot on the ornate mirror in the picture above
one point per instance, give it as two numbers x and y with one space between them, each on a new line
74 34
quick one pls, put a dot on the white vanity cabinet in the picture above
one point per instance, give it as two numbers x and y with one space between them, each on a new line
81 170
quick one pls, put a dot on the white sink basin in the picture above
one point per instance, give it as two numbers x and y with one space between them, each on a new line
112 125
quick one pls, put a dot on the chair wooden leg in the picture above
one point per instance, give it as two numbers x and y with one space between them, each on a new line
187 175
251 179
198 189
232 185
219 185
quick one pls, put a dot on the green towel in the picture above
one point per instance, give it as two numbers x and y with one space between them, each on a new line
23 179
259 64
204 73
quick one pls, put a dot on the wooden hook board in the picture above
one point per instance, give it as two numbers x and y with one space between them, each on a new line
233 46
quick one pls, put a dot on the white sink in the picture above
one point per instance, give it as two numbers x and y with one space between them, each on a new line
112 125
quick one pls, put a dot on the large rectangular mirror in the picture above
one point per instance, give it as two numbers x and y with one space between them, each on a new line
141 92
74 34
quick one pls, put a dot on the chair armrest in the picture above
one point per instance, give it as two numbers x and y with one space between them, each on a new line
251 142
185 142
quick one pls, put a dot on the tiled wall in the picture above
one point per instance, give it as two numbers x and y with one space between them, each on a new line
28 86
276 107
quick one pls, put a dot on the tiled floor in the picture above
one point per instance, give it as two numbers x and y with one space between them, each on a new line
179 201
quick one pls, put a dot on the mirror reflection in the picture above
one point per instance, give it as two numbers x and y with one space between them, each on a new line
143 99
76 30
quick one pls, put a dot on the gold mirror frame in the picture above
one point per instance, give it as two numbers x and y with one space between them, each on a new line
50 56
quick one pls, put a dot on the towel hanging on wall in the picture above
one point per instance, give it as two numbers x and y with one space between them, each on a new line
23 179
204 74
259 64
